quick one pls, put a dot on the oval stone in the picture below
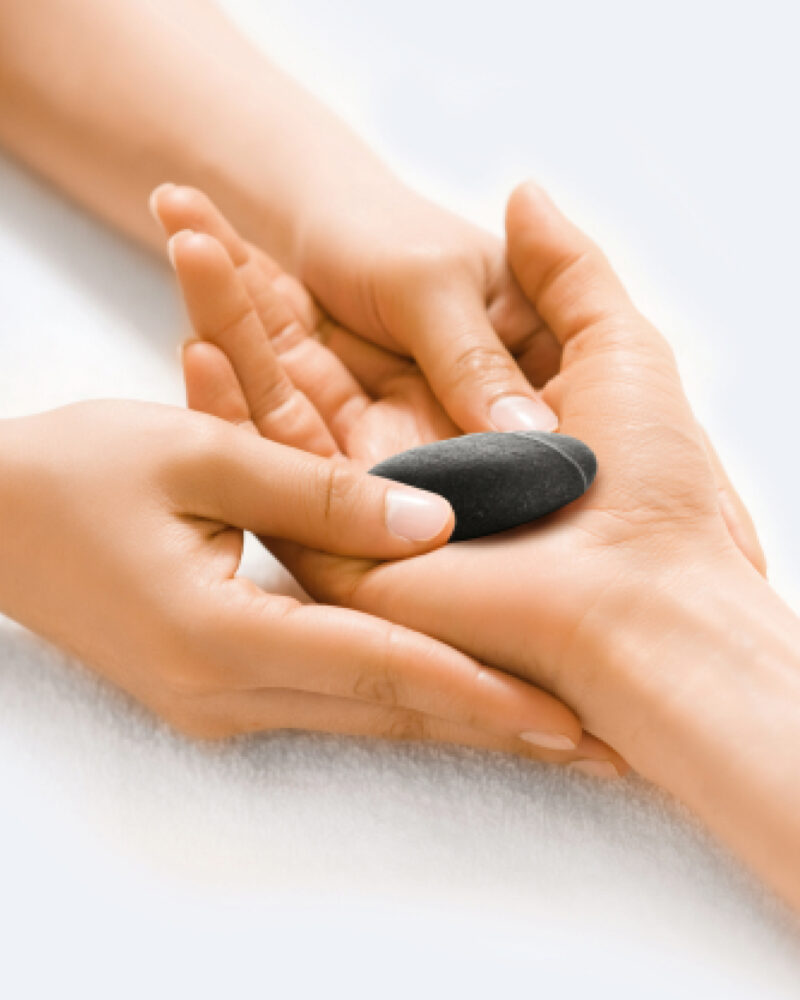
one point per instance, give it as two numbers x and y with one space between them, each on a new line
497 481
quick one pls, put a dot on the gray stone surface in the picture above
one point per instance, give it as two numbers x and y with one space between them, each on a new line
497 481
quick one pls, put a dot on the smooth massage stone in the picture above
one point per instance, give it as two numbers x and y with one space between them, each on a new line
497 481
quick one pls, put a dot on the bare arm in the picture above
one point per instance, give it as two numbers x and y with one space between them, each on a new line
714 677
108 100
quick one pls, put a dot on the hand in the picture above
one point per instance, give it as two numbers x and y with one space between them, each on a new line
373 401
546 600
425 284
368 402
234 296
519 600
122 535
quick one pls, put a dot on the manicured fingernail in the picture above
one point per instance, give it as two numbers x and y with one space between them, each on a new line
185 344
154 196
172 241
521 413
550 741
595 768
415 515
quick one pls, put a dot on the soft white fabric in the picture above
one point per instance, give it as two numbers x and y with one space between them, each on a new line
134 863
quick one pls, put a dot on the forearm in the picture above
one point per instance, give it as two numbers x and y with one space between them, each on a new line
18 488
711 677
109 100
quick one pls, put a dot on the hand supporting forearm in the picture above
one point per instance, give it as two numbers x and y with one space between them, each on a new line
109 100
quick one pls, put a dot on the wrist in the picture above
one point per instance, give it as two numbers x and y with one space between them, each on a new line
701 674
678 654
706 685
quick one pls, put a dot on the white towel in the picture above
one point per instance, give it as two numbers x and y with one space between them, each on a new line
136 863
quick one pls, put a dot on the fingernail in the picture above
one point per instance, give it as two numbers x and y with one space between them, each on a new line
415 515
171 243
550 741
521 413
595 768
154 196
184 344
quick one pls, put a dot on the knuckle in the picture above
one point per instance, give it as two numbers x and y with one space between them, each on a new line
337 486
479 363
275 394
381 682
407 726
187 681
376 686
623 337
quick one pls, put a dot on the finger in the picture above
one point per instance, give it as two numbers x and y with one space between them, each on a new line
286 310
735 514
241 712
468 368
211 384
535 349
271 643
562 272
337 395
373 366
222 312
182 207
269 489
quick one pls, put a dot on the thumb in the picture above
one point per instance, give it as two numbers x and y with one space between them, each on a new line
470 371
564 274
326 504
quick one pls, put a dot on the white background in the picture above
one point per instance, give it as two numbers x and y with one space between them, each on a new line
134 863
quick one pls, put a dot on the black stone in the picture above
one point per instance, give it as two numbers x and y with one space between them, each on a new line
497 481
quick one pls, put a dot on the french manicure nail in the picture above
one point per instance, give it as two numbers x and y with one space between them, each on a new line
171 250
595 768
415 515
550 741
521 413
154 196
173 239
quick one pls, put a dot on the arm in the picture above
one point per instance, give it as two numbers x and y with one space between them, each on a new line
712 679
109 100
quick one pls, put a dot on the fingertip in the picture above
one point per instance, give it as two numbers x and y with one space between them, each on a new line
418 516
175 243
526 198
154 200
522 413
197 352
199 250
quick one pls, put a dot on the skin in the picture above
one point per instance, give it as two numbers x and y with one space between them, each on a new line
635 603
129 562
106 100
